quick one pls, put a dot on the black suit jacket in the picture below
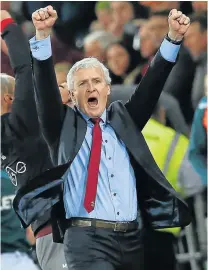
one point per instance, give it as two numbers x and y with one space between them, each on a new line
64 130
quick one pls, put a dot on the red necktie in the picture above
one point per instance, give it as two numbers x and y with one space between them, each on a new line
93 167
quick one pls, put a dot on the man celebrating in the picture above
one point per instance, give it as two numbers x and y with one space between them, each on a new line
108 172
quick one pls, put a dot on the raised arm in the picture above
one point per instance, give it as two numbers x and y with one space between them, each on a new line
143 101
23 115
50 109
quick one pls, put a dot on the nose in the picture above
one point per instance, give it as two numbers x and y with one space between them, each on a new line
91 87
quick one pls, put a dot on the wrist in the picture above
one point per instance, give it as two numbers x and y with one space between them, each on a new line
5 23
174 38
42 34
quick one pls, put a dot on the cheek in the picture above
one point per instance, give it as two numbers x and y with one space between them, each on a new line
79 97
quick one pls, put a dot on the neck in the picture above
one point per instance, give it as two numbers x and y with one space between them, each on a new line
5 109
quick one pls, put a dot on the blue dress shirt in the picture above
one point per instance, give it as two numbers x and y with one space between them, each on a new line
116 198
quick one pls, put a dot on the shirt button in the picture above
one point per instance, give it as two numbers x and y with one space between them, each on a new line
112 175
106 141
109 158
118 213
114 194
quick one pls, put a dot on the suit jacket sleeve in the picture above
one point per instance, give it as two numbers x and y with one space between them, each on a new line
23 116
50 109
142 103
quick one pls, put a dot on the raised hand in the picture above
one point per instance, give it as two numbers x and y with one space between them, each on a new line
178 25
43 20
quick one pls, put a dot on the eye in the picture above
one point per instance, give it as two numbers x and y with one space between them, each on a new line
97 81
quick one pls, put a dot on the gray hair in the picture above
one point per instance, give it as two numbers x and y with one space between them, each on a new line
90 62
6 83
104 38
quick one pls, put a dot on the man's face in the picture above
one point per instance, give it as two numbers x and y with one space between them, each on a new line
90 91
122 12
104 17
118 59
93 49
148 45
196 40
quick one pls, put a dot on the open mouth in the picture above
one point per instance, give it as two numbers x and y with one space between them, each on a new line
92 101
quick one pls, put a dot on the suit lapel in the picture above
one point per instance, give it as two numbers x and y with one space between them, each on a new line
125 129
81 129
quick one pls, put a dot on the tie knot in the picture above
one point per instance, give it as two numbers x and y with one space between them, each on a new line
95 121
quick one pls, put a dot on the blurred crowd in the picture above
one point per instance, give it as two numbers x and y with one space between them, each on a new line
125 36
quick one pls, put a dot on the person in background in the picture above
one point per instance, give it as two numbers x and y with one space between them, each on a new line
96 43
15 245
196 42
198 139
179 83
123 64
104 16
122 13
163 142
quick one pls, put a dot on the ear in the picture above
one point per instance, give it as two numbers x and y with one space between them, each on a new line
73 96
8 98
109 90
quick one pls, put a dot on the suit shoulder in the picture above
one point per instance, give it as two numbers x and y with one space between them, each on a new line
116 105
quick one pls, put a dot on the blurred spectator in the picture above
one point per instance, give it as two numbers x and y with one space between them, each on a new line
198 140
179 82
122 13
123 64
96 43
14 245
61 70
199 6
196 42
104 16
163 142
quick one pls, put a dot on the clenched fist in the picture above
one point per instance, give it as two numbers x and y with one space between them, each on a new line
178 25
43 20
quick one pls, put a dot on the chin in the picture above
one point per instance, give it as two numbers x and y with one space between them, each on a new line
94 112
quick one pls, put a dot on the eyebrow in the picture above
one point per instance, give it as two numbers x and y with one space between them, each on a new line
95 78
61 86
